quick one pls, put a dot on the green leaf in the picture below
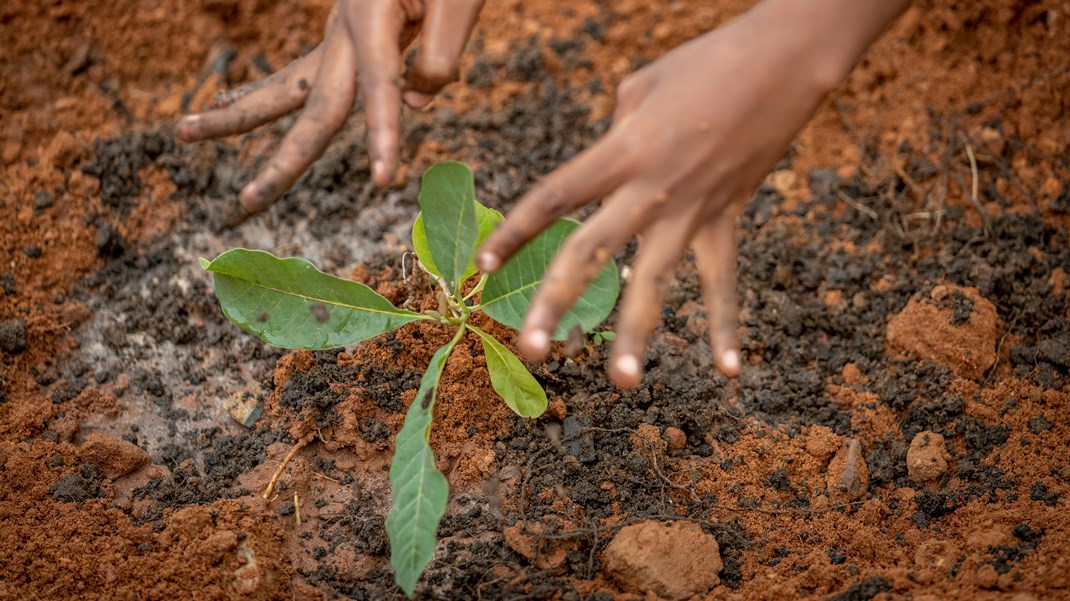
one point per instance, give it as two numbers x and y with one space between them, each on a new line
420 491
448 206
486 219
508 291
511 379
290 303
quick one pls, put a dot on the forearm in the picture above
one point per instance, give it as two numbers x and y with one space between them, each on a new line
829 35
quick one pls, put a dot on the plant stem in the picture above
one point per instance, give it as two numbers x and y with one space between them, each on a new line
478 288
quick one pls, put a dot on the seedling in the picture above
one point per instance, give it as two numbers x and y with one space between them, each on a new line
290 303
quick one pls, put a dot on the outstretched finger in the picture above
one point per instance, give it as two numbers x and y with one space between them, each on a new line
715 257
447 26
592 174
577 263
251 106
326 110
662 247
375 28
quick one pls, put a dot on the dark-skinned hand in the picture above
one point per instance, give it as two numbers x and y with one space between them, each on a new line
360 55
693 135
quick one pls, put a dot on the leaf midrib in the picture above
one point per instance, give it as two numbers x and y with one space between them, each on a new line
397 312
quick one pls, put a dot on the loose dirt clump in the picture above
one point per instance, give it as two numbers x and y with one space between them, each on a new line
674 561
952 326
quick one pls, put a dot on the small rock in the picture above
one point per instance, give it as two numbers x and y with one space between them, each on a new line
848 474
939 293
674 561
244 407
114 457
13 336
927 457
676 438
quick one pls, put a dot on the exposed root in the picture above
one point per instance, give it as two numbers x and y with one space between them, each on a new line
286 460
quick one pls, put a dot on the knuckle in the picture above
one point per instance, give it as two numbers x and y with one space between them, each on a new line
551 199
328 115
629 91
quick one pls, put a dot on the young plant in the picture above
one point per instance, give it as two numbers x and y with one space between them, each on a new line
290 303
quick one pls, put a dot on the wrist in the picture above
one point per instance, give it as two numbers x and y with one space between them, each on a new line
828 37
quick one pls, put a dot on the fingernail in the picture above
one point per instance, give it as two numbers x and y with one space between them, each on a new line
628 365
730 361
248 195
489 261
538 340
416 100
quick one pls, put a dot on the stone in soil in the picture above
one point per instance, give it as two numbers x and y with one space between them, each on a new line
674 561
848 474
113 457
927 457
959 330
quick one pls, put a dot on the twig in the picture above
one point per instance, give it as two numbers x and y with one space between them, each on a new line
278 472
999 347
858 206
297 510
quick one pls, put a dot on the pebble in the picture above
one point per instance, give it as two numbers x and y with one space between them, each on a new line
676 438
927 457
114 457
848 474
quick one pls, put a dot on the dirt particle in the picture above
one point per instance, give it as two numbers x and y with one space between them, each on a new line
674 561
938 293
927 457
83 185
114 457
965 341
319 313
937 555
109 242
527 541
821 442
864 590
987 577
13 336
79 486
676 438
851 374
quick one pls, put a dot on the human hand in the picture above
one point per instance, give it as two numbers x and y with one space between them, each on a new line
360 53
693 135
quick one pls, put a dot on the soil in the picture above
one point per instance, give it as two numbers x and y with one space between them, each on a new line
900 429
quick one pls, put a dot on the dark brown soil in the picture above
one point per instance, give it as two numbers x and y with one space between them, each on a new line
881 306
